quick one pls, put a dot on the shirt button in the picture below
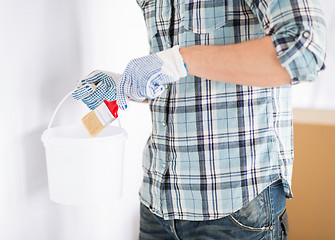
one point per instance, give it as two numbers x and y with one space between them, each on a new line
306 34
164 124
164 165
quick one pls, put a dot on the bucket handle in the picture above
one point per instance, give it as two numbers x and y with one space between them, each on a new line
58 107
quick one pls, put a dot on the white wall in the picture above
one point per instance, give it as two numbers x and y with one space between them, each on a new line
45 47
320 94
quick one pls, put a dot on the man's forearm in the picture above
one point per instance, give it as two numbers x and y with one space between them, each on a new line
252 63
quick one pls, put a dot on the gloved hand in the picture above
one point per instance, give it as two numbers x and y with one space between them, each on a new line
97 87
145 77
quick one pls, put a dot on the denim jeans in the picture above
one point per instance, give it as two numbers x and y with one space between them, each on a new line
260 219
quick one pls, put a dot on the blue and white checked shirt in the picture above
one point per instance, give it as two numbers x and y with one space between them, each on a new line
215 146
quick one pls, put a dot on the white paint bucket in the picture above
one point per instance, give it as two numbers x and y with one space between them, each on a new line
84 170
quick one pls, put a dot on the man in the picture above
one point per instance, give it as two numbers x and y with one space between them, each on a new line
218 164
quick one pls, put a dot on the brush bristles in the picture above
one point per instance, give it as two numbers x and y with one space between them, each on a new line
92 124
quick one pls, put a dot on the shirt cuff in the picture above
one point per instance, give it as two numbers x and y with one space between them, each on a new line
301 56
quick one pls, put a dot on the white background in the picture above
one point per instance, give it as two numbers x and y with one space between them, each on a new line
45 47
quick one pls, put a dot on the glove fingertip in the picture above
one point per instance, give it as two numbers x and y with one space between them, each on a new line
77 94
122 104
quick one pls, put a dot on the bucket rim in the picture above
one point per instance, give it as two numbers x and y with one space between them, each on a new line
46 138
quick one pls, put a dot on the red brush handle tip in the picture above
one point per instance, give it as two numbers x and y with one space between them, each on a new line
113 107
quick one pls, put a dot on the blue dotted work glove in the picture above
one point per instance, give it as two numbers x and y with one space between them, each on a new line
97 87
145 77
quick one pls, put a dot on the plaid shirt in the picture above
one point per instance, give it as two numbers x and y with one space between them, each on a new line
215 146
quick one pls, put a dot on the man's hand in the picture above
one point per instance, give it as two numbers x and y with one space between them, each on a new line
97 87
145 77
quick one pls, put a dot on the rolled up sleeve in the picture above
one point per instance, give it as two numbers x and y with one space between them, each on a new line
298 31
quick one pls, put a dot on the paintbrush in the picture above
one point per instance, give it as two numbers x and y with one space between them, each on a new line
99 118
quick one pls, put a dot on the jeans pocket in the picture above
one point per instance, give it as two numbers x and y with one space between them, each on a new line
283 225
253 216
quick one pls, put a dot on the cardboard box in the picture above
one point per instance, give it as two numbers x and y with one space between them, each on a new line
311 212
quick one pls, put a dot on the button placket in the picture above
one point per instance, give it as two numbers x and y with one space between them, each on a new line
166 114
